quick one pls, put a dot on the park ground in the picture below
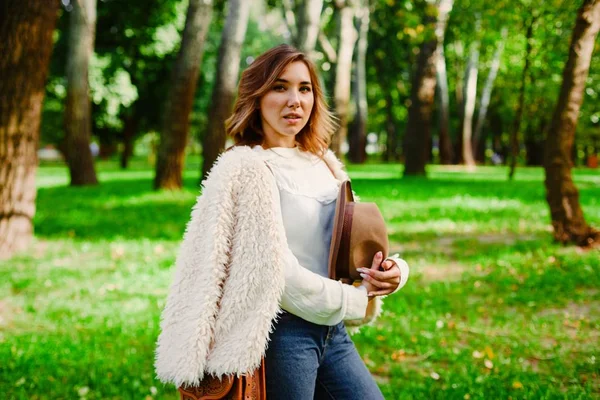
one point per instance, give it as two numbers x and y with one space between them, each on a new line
493 308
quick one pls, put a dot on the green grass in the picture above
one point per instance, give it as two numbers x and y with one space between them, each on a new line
493 309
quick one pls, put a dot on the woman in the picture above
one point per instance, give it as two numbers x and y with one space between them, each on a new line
251 276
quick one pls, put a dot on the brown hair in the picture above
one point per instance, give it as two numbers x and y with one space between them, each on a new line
245 125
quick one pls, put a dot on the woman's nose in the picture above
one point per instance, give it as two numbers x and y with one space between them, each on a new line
294 99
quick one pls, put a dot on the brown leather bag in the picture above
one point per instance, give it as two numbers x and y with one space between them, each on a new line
250 386
358 233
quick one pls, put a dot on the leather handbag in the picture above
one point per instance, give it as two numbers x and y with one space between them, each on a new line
359 232
251 386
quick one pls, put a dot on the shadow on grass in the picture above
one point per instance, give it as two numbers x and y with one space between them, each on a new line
127 207
120 208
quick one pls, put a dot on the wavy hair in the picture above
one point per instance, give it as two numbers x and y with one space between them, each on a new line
245 124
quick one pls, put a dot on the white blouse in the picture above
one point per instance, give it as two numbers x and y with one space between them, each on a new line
307 193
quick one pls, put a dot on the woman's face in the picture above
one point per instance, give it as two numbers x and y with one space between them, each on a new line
286 107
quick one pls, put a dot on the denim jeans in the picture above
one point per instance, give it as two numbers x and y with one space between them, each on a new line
306 361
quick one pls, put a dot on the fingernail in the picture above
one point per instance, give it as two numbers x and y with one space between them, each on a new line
363 276
379 254
360 269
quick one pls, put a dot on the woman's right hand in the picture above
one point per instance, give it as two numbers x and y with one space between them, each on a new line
377 259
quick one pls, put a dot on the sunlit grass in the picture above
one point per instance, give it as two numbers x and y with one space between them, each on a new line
493 308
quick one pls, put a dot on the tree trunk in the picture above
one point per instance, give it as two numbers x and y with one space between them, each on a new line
391 141
459 77
418 126
445 143
78 110
562 195
357 141
180 99
25 48
514 134
309 19
129 131
487 92
228 67
343 69
470 97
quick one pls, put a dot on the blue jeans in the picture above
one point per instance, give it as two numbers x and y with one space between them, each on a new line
306 361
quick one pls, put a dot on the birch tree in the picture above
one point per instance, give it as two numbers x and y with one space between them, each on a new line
180 98
487 91
445 143
347 36
25 48
308 23
469 99
228 67
357 140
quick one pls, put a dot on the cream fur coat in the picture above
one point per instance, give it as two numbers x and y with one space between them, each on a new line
229 274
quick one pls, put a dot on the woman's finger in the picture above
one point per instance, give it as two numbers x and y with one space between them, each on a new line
380 292
377 283
377 260
391 274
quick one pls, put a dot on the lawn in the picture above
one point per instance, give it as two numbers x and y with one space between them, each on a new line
493 309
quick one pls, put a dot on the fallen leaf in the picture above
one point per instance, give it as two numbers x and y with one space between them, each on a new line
517 385
477 354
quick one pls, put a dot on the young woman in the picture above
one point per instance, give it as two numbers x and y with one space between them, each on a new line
251 276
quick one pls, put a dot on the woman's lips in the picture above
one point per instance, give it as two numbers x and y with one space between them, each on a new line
292 120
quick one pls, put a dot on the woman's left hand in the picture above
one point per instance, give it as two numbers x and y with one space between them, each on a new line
387 280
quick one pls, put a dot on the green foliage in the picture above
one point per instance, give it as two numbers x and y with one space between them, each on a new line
492 310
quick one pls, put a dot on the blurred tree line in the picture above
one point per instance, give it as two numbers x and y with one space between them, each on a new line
422 81
137 45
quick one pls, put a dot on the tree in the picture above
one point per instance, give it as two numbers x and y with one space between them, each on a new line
469 99
487 93
308 13
445 143
343 70
563 198
418 127
514 134
180 98
25 47
228 67
357 139
78 122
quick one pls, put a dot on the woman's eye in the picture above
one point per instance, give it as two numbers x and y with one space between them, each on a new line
305 89
279 88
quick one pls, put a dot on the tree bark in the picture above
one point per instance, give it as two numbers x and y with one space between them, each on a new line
514 134
180 99
470 97
418 128
129 130
343 70
391 141
25 47
357 141
78 109
459 78
309 19
487 91
563 198
445 144
228 67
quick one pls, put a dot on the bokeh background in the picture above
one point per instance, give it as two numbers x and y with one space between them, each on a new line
474 126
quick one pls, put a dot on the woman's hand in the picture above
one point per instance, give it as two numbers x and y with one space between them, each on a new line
380 283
